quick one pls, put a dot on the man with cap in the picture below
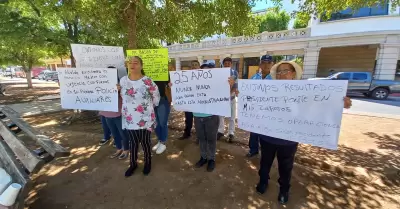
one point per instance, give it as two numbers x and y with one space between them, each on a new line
227 62
265 66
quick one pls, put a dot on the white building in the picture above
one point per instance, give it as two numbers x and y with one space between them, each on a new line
367 40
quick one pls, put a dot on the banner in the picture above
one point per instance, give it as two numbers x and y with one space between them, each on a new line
305 111
202 91
94 56
88 88
155 62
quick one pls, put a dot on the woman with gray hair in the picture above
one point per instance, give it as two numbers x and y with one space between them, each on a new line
284 150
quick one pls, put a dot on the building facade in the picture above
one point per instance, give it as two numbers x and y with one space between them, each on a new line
364 40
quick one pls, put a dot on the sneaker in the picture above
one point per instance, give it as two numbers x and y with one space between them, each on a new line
261 188
201 162
283 197
147 169
161 148
103 142
211 165
116 154
231 138
219 135
156 146
123 156
250 155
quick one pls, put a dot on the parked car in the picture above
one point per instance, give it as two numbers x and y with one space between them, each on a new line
363 82
36 71
42 74
54 77
49 75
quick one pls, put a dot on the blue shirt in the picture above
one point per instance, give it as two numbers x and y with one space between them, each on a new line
201 115
258 76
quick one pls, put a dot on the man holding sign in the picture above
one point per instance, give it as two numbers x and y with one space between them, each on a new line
272 109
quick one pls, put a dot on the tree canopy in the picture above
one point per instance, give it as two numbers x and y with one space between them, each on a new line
273 20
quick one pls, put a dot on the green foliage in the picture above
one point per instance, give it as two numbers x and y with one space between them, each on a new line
274 20
301 20
298 60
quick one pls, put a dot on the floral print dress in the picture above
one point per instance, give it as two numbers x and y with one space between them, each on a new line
138 101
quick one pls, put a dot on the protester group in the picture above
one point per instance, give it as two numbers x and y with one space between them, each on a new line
145 105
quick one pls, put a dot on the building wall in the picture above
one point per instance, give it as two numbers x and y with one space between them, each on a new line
354 58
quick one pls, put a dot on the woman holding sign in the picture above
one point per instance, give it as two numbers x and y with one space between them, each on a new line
284 150
139 97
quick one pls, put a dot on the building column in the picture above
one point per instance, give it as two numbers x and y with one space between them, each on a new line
200 59
177 64
386 62
310 63
241 65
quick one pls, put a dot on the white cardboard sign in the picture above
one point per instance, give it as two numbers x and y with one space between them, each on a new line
305 111
88 88
95 56
202 91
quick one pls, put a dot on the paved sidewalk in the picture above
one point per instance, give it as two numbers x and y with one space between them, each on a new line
37 107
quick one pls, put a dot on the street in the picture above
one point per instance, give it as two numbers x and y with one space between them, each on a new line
8 80
389 108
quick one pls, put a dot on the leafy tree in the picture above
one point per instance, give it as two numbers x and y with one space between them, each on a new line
22 40
301 20
274 20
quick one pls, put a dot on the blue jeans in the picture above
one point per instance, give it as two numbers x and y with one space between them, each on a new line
115 125
254 143
106 130
162 114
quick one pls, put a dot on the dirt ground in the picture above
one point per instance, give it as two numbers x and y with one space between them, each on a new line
89 179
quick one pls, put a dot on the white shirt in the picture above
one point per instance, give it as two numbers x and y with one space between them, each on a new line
138 101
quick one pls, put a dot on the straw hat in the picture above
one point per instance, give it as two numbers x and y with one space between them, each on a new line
299 70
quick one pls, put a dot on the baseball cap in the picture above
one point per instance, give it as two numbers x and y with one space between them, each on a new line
266 58
211 65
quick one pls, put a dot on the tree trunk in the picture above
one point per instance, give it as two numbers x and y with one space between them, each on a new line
29 79
130 18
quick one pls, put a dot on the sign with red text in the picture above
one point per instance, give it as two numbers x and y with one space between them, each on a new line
304 111
202 91
88 88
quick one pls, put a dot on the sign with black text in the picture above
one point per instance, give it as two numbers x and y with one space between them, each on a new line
202 91
305 111
97 56
88 88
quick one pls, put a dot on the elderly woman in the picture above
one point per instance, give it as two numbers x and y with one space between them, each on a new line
284 150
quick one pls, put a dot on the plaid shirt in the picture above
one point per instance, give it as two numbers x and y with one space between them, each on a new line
258 76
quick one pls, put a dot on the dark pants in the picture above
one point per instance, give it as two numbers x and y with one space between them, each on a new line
254 143
285 155
206 131
115 126
141 136
188 123
106 130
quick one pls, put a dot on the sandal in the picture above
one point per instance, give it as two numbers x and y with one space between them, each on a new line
116 154
123 156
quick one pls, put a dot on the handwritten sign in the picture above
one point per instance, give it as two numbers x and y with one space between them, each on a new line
303 111
202 91
155 62
95 56
88 88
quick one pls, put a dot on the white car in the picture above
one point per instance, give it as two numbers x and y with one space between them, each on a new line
42 75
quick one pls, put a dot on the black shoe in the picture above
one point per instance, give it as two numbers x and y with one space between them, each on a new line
283 197
211 165
231 138
261 188
147 169
185 136
219 135
130 170
249 155
201 162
